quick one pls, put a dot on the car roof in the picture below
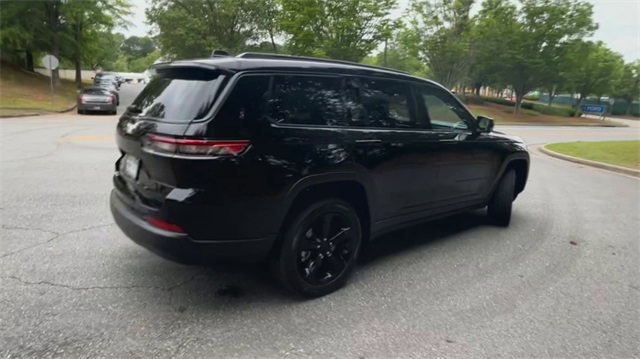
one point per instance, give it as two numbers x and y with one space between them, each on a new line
270 62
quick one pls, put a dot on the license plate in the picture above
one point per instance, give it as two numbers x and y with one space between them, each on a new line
130 166
96 107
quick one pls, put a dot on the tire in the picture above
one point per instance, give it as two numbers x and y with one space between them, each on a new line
80 112
501 202
307 262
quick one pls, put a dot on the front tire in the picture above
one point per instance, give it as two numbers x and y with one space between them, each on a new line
501 203
319 249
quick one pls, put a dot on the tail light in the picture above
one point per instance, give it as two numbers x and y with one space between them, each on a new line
80 98
194 147
113 99
164 225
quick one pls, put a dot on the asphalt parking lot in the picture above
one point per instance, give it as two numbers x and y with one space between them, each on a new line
73 286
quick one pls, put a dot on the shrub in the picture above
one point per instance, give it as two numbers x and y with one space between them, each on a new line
540 108
470 99
532 97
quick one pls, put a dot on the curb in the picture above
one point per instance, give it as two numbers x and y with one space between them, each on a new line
600 165
42 113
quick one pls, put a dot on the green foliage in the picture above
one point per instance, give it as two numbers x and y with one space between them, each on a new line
440 34
518 44
399 57
470 99
627 87
344 30
192 29
137 47
595 70
532 97
143 63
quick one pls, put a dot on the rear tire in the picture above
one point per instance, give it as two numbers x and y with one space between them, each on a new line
501 203
319 249
80 112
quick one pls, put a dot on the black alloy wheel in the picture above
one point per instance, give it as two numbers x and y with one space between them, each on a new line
320 248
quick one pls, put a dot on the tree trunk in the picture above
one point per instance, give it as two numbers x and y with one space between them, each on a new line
273 42
518 108
78 64
552 94
477 89
53 12
629 104
29 60
578 105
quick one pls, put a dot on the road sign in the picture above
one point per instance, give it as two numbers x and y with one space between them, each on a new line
612 101
597 109
50 62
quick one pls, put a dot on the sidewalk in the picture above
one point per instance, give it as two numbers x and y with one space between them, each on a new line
624 121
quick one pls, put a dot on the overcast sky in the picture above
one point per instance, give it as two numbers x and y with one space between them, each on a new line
618 20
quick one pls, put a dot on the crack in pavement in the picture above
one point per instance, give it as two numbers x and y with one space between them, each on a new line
56 235
79 288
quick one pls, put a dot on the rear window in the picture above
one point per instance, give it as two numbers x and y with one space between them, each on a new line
178 95
96 92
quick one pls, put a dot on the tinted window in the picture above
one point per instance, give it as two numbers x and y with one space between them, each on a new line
387 102
307 100
96 91
178 95
442 110
244 106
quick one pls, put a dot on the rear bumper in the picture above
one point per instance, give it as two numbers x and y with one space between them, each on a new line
181 248
97 107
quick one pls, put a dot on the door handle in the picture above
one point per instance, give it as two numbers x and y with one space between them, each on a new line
368 141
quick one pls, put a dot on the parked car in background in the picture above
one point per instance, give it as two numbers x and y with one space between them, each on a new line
106 76
109 85
97 99
301 162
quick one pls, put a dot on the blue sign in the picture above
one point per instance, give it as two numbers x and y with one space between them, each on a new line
599 109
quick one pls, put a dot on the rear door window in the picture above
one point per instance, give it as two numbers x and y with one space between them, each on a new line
307 100
387 103
178 95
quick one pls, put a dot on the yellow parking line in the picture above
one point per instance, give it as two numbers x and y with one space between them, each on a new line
86 138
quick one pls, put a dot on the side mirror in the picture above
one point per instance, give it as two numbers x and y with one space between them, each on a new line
485 124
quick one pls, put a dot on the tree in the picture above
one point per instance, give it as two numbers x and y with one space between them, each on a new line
628 86
337 29
442 33
138 47
22 29
596 71
205 25
526 39
400 57
86 22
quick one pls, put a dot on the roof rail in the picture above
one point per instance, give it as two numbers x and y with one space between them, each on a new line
260 55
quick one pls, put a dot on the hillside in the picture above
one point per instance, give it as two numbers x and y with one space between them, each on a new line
20 90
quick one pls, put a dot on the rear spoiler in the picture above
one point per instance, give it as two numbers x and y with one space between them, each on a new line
190 64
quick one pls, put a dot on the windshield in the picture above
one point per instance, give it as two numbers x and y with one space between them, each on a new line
178 95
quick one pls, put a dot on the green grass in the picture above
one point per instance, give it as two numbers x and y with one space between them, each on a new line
618 153
21 90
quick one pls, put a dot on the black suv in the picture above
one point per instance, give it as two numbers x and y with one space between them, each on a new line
300 161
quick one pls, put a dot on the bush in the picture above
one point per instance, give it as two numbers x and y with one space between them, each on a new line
532 98
540 108
470 99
